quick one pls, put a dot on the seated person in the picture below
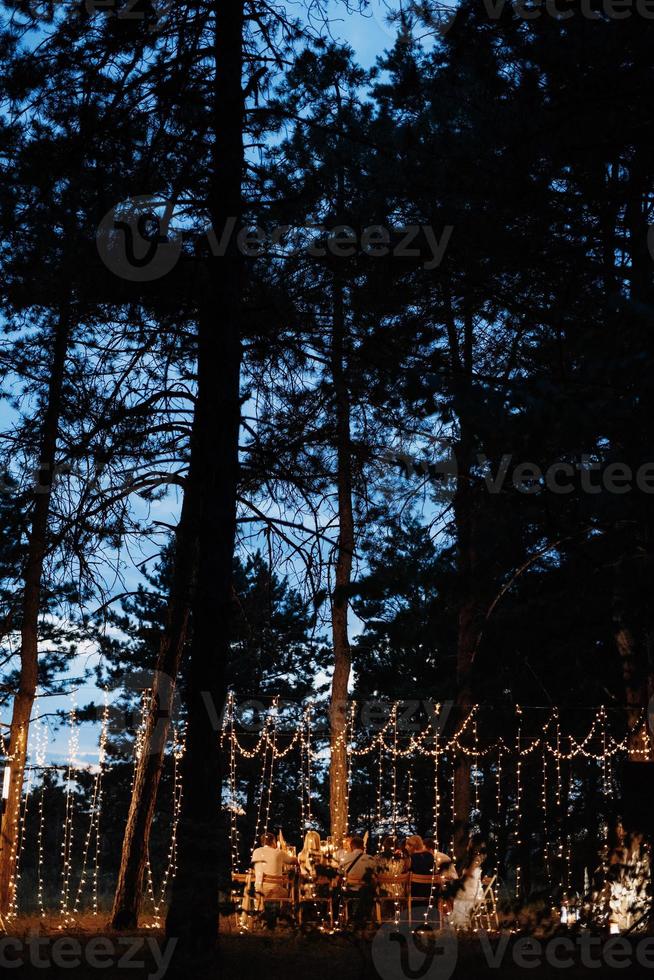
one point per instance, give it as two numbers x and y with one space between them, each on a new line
471 890
445 867
269 860
358 869
310 856
391 860
421 863
391 863
355 864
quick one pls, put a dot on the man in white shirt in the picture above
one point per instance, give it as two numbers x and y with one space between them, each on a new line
268 860
354 863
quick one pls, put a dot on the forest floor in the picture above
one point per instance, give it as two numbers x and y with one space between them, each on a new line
81 950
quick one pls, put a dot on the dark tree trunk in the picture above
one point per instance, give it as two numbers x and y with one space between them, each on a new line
31 604
129 888
193 912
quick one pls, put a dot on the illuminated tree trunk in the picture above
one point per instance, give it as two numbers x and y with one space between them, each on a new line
129 888
31 604
338 798
213 480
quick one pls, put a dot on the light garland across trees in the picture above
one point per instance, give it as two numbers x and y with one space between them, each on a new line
494 756
490 757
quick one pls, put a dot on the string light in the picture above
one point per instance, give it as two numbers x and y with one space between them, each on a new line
475 778
19 847
568 852
14 830
273 754
453 800
305 754
178 749
546 849
94 822
559 813
41 752
349 744
104 734
518 842
380 773
498 798
394 776
597 744
260 794
409 798
233 827
68 828
436 794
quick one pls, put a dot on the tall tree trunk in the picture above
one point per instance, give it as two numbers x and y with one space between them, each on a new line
129 888
193 912
31 604
338 789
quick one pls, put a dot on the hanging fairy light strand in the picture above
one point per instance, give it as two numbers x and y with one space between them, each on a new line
233 824
179 747
19 848
104 734
498 799
518 822
394 776
409 798
273 755
41 753
68 827
391 744
380 777
94 823
261 791
546 847
436 793
475 770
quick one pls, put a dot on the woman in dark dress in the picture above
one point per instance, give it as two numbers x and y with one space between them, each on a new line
422 863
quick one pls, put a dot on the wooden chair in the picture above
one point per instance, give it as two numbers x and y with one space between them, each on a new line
282 884
326 901
238 894
433 882
397 893
352 887
484 913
